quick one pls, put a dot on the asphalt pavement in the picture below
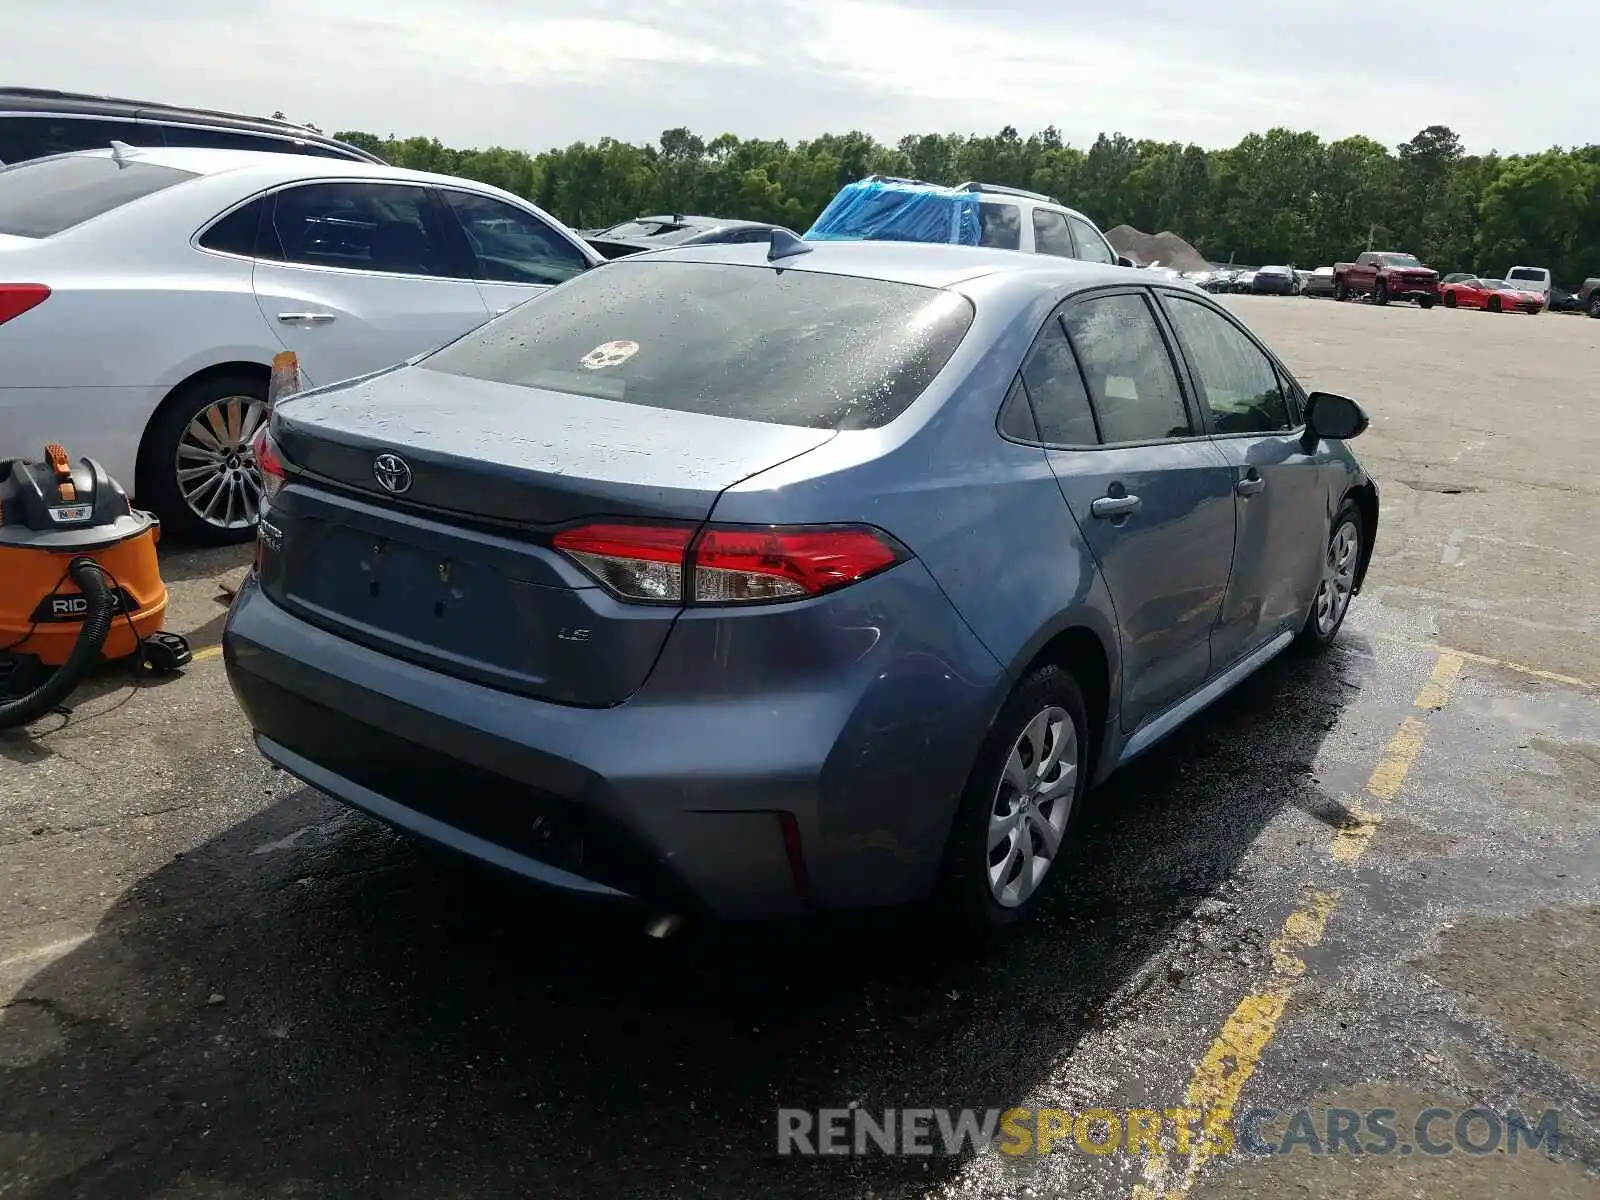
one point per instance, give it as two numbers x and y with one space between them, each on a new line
1364 881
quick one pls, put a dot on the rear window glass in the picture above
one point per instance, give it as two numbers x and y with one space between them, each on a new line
784 347
641 229
41 198
1527 273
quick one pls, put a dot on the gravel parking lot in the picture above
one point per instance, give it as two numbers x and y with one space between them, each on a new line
1368 881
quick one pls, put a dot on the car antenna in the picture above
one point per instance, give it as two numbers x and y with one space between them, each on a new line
785 245
120 152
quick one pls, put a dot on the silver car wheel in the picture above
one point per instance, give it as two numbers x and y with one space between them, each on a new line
1338 577
1032 804
216 465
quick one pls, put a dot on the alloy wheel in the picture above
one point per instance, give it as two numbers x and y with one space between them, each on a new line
216 464
1338 578
1032 805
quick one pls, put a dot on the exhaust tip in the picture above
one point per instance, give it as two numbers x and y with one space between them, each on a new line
663 926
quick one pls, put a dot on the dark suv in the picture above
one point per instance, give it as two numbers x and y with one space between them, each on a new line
36 123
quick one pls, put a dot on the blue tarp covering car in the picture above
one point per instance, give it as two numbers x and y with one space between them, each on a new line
899 210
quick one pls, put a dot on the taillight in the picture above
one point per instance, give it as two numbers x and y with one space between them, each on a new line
18 298
269 463
637 562
727 564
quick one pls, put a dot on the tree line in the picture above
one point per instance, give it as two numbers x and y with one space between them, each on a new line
1279 196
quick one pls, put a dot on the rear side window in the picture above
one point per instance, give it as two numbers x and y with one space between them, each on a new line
394 228
1060 403
999 225
236 233
38 199
28 137
1128 369
786 347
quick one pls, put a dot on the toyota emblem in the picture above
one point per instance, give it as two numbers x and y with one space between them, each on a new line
392 473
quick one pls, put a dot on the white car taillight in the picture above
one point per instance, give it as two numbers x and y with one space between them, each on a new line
18 298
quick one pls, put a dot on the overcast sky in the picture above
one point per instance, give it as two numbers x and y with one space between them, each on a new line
1513 75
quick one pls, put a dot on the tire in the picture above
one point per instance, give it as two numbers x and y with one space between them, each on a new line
1425 303
239 402
1380 292
1331 603
987 899
1340 291
1494 304
1449 299
1594 306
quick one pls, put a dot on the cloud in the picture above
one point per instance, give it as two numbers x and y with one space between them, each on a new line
537 73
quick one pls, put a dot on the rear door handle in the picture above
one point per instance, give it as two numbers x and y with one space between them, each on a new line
311 318
1115 506
1250 485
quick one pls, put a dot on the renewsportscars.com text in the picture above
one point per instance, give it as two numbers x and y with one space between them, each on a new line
1147 1131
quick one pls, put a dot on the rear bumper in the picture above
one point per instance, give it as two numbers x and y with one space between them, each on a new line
679 798
1411 290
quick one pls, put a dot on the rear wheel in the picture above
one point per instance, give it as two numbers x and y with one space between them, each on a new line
1340 291
1449 299
1334 590
1494 304
198 471
1380 292
1425 302
1594 306
1013 826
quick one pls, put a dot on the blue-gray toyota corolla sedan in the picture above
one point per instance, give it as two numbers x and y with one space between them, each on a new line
752 581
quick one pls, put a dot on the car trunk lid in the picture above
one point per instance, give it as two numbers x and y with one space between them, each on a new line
454 569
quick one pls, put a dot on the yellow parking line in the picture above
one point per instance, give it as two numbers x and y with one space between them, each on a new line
1436 691
1231 1059
1520 668
206 652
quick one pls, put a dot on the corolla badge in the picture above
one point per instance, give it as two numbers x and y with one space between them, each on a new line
392 473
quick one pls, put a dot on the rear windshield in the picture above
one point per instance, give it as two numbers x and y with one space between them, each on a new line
640 229
784 347
43 197
1526 273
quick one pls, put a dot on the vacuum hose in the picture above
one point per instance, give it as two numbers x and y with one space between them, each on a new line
45 698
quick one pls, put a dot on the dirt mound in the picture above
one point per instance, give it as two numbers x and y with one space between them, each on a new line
1166 248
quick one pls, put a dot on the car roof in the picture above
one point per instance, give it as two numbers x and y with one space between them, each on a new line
268 168
929 264
690 219
43 100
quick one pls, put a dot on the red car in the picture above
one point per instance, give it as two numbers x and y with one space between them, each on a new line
1493 295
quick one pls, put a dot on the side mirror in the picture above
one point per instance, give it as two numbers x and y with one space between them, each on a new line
1334 418
1124 261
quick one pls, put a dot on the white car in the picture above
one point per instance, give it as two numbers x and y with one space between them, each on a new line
144 293
1531 279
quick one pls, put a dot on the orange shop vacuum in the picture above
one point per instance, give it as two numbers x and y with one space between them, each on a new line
80 584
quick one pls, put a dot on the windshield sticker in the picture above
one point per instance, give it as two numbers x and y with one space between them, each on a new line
611 354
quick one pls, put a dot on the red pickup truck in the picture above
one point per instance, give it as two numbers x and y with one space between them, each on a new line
1386 275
